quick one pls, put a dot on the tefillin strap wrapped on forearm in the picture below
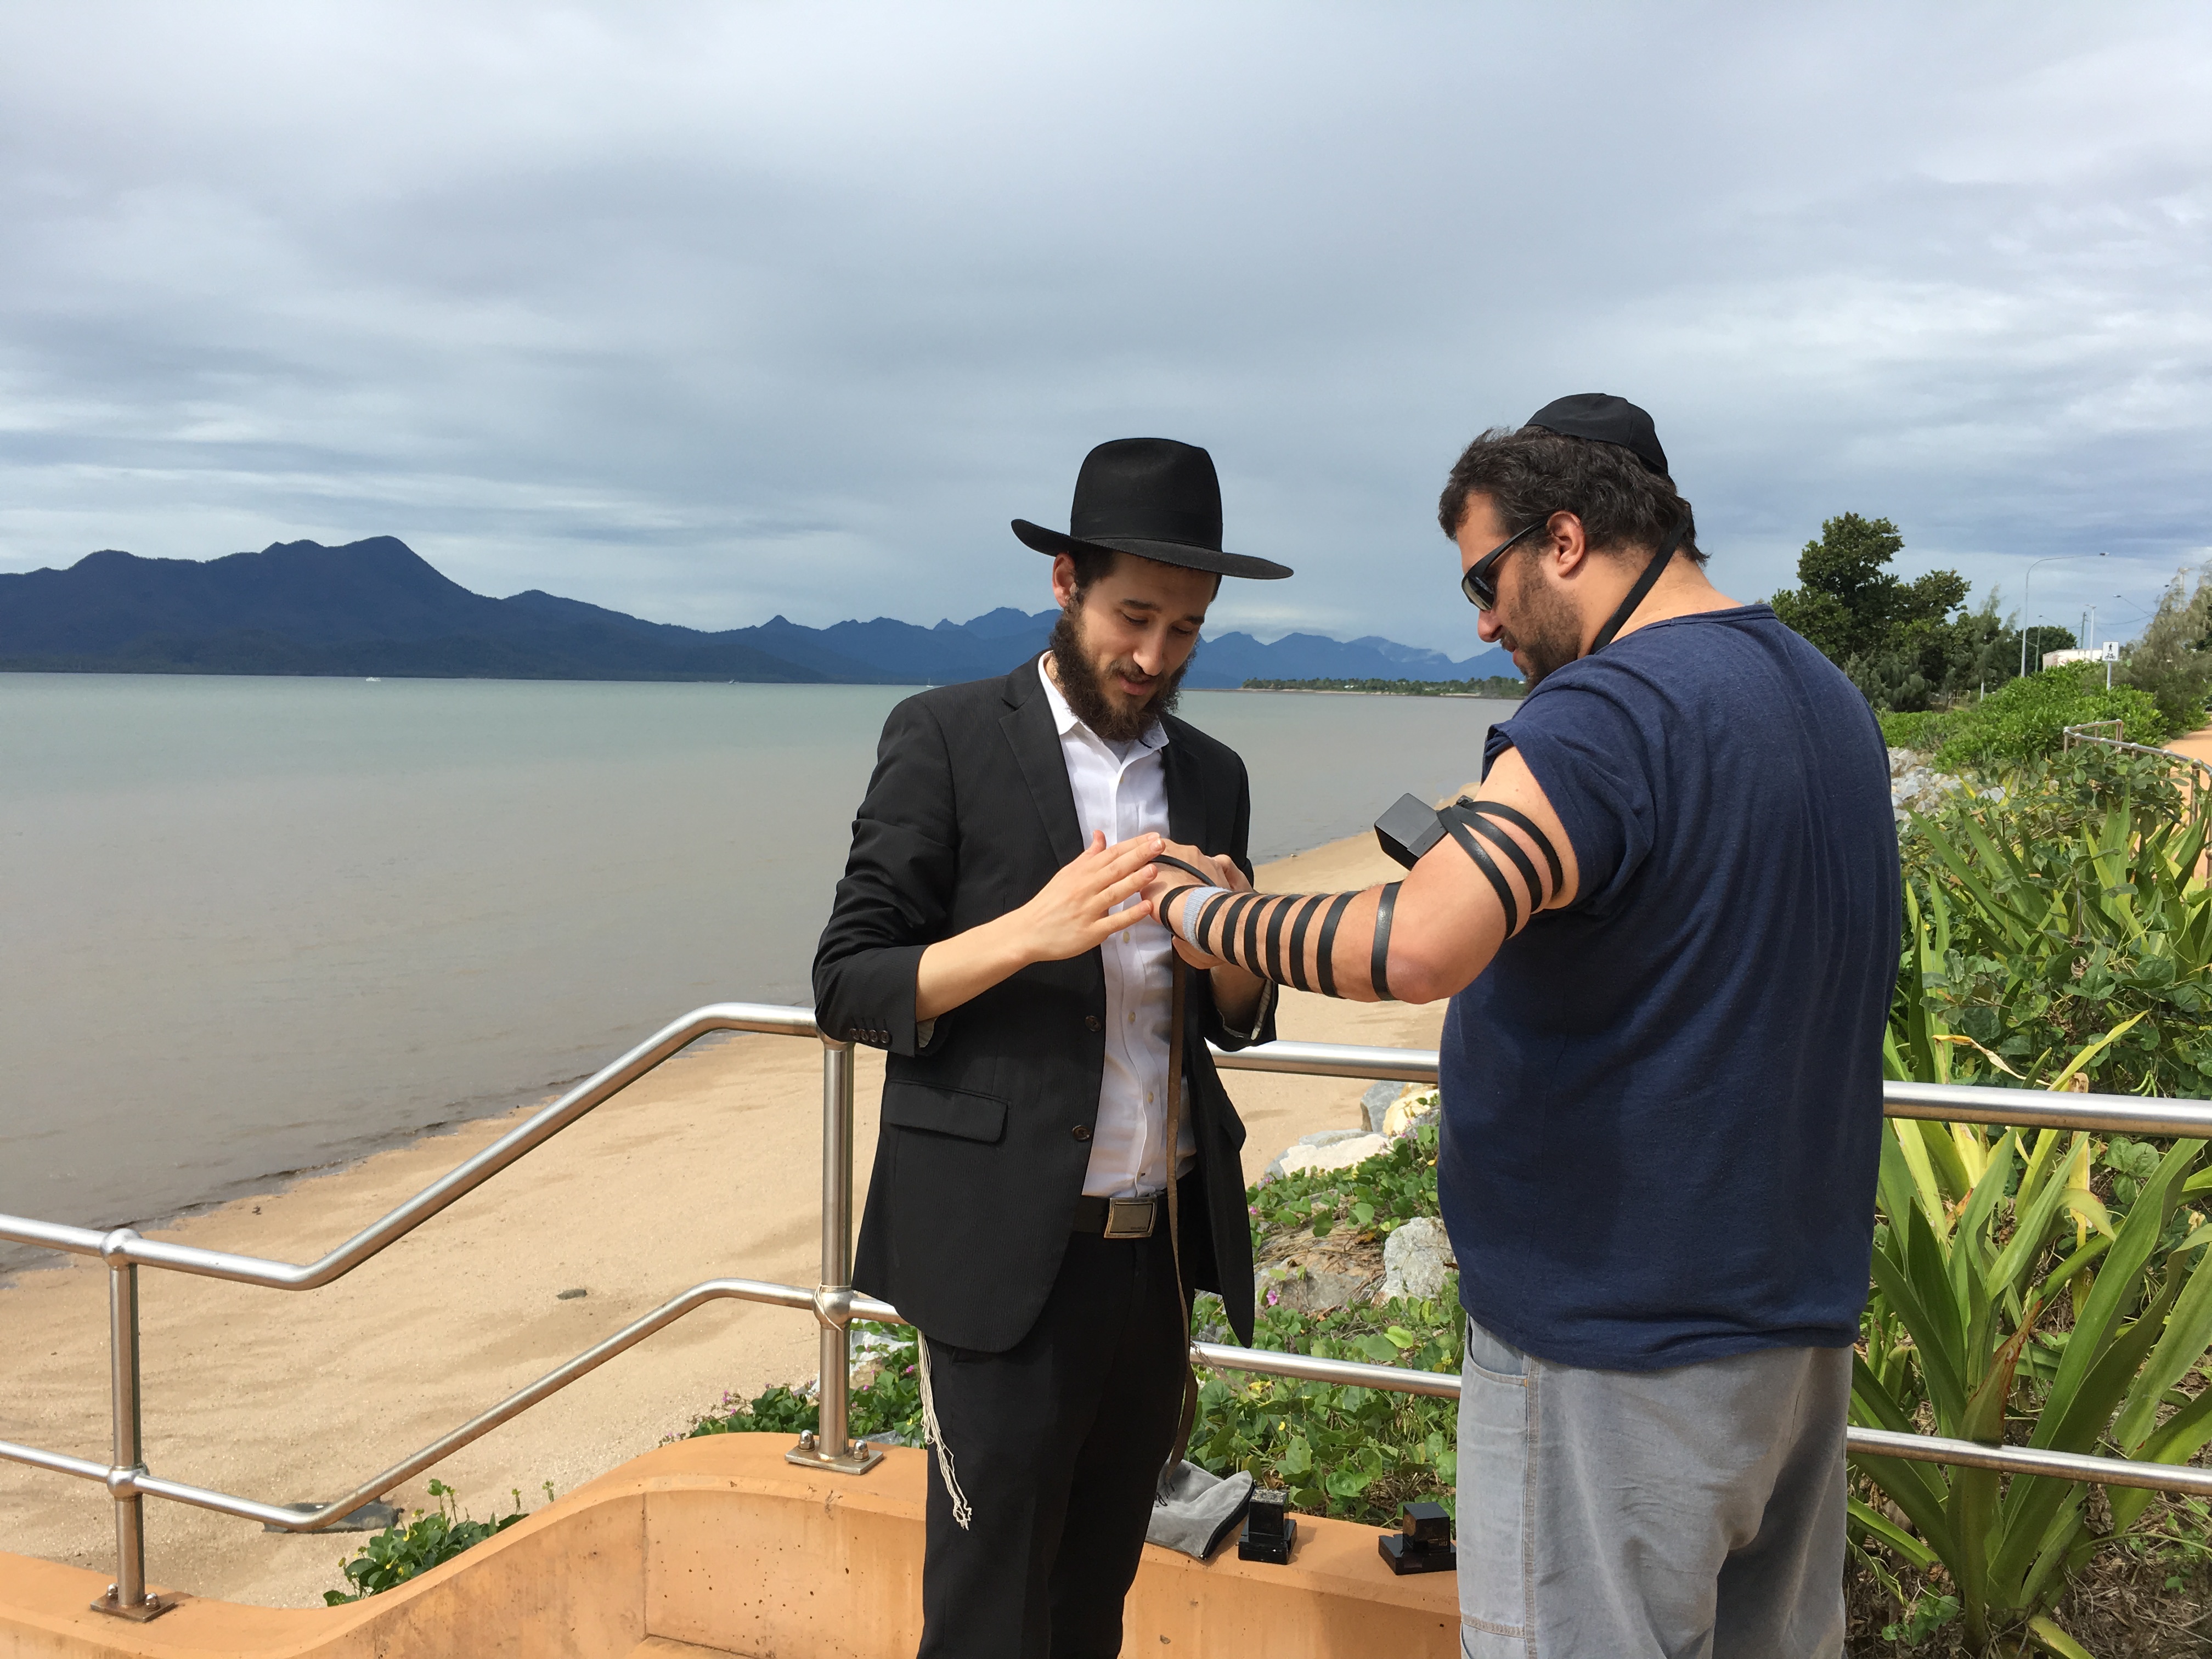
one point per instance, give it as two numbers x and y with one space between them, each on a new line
1266 933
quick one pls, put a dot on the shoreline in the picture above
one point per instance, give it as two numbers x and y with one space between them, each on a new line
1339 691
706 1168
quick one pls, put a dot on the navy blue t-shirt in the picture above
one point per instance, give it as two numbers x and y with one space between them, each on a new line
1662 1104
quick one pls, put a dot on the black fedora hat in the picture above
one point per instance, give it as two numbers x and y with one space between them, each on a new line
1155 498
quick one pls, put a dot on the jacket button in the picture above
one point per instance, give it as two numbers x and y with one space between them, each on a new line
1091 1021
1081 1131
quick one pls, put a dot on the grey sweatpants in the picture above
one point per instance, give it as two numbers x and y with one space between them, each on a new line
1695 1513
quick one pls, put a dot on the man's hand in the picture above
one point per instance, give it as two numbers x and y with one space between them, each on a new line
1223 871
1071 913
1074 912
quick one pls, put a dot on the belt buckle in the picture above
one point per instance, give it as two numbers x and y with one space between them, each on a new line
1129 1218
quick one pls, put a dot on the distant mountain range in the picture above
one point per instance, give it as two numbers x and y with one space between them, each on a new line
378 607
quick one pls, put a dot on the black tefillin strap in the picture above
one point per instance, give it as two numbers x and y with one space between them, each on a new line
1298 962
1188 869
1522 821
1474 849
1325 950
1466 819
1644 583
1379 965
1274 957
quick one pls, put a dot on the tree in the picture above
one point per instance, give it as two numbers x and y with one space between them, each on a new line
2172 661
1903 644
1847 603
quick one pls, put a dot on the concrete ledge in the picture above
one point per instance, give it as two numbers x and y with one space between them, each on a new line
718 1543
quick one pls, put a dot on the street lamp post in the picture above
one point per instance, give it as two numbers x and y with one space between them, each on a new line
2027 583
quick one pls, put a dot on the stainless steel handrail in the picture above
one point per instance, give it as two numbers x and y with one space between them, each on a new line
121 1245
834 1303
314 1520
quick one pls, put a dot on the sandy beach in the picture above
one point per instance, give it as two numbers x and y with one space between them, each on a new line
709 1167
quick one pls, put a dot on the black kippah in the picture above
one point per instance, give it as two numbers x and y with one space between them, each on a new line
1607 419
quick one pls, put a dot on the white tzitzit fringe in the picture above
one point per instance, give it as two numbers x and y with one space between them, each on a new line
962 1514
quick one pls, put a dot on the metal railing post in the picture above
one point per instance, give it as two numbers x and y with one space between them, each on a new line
126 1597
832 1446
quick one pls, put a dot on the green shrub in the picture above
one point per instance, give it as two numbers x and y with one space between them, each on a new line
778 1410
2026 718
2011 1302
889 1403
399 1553
2031 1287
1352 1452
1355 1453
2039 921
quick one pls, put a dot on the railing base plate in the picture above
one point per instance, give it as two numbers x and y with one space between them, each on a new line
152 1607
859 1458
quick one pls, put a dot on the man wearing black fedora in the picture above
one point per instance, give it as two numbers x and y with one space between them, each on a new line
1059 1164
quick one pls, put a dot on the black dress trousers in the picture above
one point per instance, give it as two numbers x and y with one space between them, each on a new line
1057 1445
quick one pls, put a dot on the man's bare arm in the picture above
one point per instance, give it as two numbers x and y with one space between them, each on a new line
1412 941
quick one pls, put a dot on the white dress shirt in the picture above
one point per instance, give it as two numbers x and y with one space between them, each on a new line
1122 790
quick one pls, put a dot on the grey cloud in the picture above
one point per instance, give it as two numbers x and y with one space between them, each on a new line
708 312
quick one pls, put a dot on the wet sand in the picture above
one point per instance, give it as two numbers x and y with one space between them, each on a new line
709 1167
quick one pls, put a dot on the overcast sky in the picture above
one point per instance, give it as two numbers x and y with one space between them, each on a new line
711 312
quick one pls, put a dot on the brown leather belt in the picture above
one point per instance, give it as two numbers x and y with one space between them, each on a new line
1118 1218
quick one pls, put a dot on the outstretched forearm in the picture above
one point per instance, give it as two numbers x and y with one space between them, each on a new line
1458 908
1322 942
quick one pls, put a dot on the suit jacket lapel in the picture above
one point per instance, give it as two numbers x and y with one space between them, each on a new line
1035 741
1186 791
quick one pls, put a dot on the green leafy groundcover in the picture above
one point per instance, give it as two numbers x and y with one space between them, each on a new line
400 1552
1355 1453
887 1402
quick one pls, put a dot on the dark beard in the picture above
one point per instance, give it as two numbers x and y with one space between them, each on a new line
1551 634
1085 687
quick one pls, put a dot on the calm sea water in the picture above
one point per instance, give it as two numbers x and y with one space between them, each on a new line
251 926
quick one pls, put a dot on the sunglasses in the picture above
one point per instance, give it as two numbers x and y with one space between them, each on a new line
1479 584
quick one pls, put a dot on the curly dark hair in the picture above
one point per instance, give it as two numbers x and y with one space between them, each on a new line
1531 474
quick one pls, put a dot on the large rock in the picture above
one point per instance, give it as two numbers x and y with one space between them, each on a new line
1415 1259
1377 1101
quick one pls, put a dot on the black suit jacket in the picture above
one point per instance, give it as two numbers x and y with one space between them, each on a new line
987 1130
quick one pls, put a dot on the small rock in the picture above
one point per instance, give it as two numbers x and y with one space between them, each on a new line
1320 1137
1318 1275
570 1295
1415 1259
1348 1148
1419 1104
